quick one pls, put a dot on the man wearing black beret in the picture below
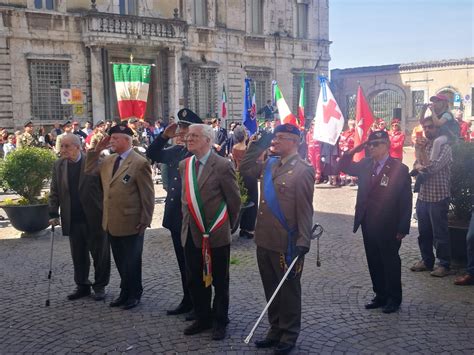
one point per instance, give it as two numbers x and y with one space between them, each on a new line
383 210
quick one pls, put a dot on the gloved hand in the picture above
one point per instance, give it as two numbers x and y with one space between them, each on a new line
300 251
265 140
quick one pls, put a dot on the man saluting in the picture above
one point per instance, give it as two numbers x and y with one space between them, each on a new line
283 229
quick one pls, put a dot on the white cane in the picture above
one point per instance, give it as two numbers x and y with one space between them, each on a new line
247 340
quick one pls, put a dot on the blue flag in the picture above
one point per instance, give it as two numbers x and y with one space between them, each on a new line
249 122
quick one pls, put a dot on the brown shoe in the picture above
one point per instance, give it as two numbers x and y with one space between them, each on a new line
465 280
420 266
440 271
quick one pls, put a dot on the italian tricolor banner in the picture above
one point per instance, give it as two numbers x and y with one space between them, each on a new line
283 110
224 103
301 105
131 84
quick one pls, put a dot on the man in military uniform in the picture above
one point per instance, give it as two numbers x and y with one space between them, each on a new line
172 218
346 143
132 124
283 228
97 136
67 128
28 138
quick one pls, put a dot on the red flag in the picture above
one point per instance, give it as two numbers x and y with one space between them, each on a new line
364 120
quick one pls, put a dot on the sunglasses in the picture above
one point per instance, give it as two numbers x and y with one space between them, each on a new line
429 126
374 144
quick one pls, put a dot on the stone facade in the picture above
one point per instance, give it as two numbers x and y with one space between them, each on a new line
85 41
412 84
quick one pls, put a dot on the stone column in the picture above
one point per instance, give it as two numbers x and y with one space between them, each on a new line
175 81
97 85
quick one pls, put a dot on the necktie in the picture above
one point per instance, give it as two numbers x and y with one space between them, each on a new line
116 165
197 164
374 171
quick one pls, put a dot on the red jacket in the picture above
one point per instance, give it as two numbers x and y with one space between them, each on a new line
397 139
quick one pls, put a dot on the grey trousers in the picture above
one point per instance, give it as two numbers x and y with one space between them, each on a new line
85 243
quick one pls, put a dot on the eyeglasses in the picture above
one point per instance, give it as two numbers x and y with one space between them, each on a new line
280 138
429 126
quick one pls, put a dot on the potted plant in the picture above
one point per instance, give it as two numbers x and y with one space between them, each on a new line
244 202
462 187
25 171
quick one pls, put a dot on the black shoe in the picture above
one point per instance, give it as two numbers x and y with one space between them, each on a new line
197 327
283 348
120 301
131 303
79 293
266 343
99 295
218 333
390 308
375 303
191 316
182 308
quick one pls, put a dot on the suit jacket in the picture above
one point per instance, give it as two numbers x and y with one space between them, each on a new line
221 139
90 195
217 182
129 196
170 156
294 186
386 208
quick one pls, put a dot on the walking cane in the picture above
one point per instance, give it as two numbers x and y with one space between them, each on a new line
316 233
50 264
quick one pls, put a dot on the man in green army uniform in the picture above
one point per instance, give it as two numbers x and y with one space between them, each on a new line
98 135
132 124
283 230
27 138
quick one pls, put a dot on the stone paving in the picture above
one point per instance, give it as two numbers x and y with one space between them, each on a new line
435 317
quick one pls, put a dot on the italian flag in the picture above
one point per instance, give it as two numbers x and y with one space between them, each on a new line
253 108
301 105
131 84
224 103
283 110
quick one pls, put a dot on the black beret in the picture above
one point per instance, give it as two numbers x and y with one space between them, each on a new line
121 128
378 135
185 115
287 128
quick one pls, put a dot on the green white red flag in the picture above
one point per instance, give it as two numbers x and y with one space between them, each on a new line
283 110
132 82
253 108
224 103
301 103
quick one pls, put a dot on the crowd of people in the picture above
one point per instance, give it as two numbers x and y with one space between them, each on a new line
102 194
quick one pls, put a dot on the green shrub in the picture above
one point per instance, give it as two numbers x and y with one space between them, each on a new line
25 171
462 181
243 190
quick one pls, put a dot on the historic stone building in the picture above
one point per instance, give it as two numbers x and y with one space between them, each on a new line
196 46
401 89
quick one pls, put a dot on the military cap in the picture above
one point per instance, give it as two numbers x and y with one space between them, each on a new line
66 123
28 123
378 135
187 116
132 120
121 128
100 123
287 128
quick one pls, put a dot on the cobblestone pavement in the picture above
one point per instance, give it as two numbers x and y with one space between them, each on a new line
435 317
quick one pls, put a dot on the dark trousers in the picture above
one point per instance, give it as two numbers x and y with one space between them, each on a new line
284 314
433 230
85 242
249 215
201 296
385 267
179 252
127 252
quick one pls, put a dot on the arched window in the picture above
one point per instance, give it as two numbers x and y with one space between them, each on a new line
384 102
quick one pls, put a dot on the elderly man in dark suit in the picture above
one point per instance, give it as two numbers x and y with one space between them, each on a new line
383 210
172 217
283 230
210 204
79 197
129 200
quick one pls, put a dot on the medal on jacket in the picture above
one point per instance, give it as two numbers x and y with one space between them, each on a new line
384 181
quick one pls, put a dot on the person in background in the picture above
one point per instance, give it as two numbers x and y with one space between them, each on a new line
220 137
28 138
268 111
55 132
468 278
8 146
67 128
314 154
397 140
230 139
77 131
346 143
381 126
249 215
463 125
96 136
417 132
87 128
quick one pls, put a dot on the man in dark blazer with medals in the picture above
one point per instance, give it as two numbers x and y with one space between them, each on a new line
172 218
210 204
383 210
79 197
287 183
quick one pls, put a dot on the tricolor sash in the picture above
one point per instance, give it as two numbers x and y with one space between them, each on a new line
275 209
196 208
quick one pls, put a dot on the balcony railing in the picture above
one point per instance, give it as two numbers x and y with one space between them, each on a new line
102 23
